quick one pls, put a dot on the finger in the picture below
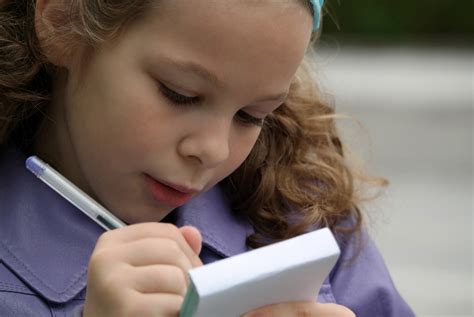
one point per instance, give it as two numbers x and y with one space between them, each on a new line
334 310
301 309
159 279
193 238
151 251
153 304
148 230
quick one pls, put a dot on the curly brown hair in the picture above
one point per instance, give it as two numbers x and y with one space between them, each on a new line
296 177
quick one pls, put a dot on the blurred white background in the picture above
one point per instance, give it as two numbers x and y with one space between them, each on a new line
416 105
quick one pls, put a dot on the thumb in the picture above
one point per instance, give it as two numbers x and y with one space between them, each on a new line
193 238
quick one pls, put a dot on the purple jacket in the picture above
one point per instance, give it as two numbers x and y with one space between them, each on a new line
45 245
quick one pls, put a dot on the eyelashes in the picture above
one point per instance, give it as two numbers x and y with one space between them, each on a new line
245 118
178 99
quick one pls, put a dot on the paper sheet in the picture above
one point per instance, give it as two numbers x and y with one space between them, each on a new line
291 270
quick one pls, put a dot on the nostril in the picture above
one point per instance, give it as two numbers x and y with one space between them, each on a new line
195 159
205 152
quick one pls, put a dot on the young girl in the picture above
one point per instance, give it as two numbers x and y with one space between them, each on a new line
193 121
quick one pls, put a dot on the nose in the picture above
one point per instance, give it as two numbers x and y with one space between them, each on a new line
209 144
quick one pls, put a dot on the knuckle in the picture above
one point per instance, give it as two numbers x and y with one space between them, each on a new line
263 312
343 311
134 304
98 260
114 280
133 308
125 307
174 248
104 259
349 313
111 294
179 277
104 238
175 305
170 228
303 311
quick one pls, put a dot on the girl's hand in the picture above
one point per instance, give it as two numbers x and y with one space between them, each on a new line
141 270
306 309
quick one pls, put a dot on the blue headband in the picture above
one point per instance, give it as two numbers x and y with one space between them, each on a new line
317 5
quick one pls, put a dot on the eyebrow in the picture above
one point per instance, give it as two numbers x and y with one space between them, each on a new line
202 72
192 67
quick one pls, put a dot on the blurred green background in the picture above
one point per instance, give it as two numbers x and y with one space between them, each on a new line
400 20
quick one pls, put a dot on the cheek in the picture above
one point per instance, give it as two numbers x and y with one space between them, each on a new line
242 145
108 123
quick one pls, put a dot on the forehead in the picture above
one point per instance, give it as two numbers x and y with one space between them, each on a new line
264 38
242 19
210 5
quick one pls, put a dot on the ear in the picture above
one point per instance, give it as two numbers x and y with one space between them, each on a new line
48 16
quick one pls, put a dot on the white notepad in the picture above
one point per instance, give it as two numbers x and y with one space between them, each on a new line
291 270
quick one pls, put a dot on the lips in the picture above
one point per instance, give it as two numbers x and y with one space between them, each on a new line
167 193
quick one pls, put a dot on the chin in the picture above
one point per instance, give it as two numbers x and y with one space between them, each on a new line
146 214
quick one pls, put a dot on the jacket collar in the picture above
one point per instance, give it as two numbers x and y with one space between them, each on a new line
39 230
222 230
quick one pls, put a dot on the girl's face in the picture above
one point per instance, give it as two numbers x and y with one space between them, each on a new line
177 101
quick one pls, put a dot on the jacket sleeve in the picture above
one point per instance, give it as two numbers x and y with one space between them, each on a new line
360 280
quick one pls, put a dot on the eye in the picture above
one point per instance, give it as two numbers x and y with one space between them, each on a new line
181 100
177 98
248 119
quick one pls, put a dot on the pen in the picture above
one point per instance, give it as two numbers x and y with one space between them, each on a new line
73 194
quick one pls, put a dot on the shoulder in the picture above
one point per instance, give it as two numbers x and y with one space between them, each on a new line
361 281
44 245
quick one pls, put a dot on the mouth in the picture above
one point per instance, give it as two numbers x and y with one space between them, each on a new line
169 194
